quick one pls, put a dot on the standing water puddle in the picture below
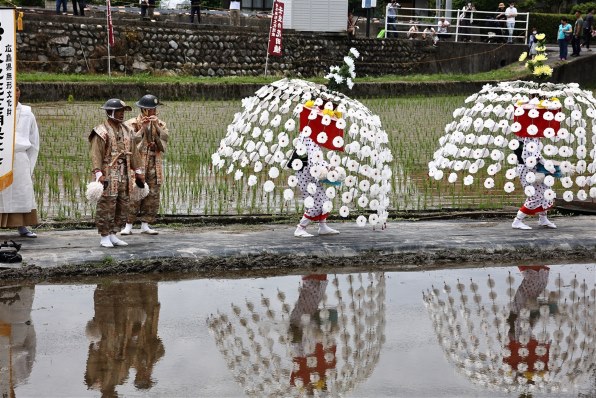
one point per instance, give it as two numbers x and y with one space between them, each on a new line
449 333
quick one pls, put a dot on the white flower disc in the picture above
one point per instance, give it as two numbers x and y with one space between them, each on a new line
530 177
511 174
593 192
327 206
292 181
452 178
509 187
309 202
311 188
513 144
346 197
362 201
512 158
549 181
361 221
468 180
338 142
373 219
582 195
548 116
344 211
322 137
567 196
549 132
297 164
567 182
252 180
288 194
268 186
531 161
489 183
273 172
530 190
330 192
549 194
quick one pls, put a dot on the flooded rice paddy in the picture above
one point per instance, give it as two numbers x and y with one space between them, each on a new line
414 126
475 332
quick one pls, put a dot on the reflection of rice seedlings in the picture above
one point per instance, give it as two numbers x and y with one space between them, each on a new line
190 185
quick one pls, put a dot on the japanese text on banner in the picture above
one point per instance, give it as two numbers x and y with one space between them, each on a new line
275 32
7 90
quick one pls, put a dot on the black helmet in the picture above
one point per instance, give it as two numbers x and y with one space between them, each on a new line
148 101
115 104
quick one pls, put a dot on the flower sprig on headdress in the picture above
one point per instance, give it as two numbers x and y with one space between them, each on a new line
536 64
342 76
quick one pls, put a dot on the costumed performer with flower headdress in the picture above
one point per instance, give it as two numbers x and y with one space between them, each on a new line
340 143
529 160
314 167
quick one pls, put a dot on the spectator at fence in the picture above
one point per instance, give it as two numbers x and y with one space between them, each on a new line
511 13
351 29
576 39
501 21
588 29
60 3
443 28
392 18
147 9
195 8
430 34
532 43
563 36
413 31
235 12
466 18
81 7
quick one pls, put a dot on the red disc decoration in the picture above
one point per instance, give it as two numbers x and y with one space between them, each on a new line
538 121
331 131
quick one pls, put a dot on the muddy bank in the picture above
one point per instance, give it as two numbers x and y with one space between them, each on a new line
245 250
276 265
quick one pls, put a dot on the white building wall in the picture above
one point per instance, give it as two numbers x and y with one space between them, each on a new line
316 15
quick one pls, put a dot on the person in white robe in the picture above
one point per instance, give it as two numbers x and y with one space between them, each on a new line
17 201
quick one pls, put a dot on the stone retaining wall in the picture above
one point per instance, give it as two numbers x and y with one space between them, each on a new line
77 45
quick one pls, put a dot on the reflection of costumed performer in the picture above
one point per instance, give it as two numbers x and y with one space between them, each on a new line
312 360
17 337
535 279
123 335
307 184
151 137
17 201
117 164
529 157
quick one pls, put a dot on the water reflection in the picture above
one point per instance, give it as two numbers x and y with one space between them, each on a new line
123 335
17 337
534 336
322 344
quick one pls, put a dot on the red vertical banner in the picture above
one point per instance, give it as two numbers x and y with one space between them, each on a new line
110 26
275 31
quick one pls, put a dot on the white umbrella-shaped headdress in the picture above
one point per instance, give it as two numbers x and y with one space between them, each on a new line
533 336
481 140
263 145
326 342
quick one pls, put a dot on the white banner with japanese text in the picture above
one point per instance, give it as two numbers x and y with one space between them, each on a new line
8 71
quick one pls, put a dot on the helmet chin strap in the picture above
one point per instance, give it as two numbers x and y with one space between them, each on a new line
111 116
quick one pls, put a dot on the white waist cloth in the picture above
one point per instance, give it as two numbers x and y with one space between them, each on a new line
19 197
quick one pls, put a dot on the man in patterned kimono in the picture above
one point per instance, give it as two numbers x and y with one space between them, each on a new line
151 137
117 164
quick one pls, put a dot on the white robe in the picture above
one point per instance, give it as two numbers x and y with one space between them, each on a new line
19 196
